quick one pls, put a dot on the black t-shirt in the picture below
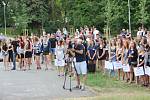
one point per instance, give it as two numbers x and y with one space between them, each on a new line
80 57
15 44
100 52
53 42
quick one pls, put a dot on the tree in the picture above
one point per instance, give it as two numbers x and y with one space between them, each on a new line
142 14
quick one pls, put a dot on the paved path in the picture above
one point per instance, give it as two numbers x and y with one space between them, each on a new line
35 85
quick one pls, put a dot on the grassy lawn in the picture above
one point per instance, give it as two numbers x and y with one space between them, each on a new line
110 89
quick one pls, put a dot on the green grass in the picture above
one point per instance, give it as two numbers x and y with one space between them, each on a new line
110 89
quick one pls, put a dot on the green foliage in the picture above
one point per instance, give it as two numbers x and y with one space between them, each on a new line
142 14
53 14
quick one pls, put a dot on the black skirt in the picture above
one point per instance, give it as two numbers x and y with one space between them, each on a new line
22 55
28 54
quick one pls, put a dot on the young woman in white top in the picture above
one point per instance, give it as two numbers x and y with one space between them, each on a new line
60 54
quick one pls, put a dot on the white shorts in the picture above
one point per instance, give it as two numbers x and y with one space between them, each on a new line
81 67
59 63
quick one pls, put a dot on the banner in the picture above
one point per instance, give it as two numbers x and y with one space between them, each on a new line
147 70
109 65
138 71
126 68
117 65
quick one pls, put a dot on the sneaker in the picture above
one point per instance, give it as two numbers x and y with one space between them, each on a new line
46 68
83 88
13 69
77 87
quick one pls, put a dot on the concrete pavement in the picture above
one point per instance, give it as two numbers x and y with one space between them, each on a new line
36 85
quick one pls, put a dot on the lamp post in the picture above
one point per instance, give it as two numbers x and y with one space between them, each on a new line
4 15
129 16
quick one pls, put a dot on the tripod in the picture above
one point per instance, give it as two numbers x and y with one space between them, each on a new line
68 72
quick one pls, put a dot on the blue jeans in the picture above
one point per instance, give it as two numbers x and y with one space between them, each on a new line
14 60
52 50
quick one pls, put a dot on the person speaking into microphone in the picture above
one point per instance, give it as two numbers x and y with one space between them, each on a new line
80 65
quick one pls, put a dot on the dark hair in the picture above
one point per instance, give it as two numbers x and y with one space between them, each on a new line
29 45
22 44
70 45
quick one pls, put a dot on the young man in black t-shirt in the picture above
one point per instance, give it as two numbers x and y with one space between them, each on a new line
80 64
14 44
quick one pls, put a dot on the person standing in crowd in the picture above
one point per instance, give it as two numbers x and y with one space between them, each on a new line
147 63
15 44
80 65
91 52
60 55
28 52
101 55
141 54
124 58
5 55
119 51
95 32
69 56
21 53
112 55
53 42
10 53
42 47
46 49
37 52
132 59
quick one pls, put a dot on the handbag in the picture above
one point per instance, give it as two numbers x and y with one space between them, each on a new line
134 63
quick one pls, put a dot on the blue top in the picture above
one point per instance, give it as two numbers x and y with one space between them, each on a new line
133 53
45 47
92 51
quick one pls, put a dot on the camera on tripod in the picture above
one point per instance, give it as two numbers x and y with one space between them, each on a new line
69 62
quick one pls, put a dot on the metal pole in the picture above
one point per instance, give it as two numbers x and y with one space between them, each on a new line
4 15
129 16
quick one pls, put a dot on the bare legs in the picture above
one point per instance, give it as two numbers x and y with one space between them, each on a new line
6 62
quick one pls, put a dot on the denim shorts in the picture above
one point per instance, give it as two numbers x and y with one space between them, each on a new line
52 50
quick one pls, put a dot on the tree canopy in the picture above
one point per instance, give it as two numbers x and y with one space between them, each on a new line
53 14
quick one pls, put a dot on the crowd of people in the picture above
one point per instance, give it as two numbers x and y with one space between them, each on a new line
85 51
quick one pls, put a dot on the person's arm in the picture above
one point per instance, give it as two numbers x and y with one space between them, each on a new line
127 58
88 53
141 63
94 55
49 46
72 53
97 53
136 54
145 59
79 51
